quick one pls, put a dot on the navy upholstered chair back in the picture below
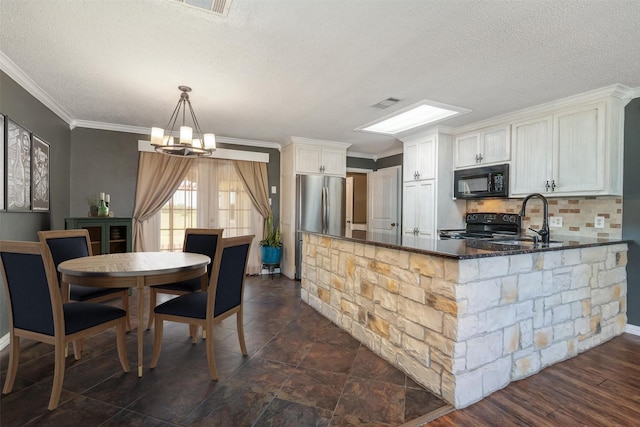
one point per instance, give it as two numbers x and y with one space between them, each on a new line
28 291
204 242
66 248
231 273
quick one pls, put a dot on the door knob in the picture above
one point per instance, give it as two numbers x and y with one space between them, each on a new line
393 224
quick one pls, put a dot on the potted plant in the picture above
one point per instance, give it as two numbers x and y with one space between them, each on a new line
93 205
271 245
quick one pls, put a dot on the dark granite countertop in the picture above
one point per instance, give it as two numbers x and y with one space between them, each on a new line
463 249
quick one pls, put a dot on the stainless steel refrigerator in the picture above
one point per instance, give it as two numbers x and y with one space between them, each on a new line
320 208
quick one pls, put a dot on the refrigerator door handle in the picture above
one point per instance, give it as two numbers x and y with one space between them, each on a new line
324 209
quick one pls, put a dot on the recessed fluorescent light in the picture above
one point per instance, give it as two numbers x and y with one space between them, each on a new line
420 114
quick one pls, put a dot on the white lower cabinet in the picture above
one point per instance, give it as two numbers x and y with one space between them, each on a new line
418 214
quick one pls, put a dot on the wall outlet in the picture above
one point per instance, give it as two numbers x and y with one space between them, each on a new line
598 222
555 221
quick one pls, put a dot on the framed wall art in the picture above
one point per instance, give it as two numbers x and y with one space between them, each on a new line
18 164
2 162
39 175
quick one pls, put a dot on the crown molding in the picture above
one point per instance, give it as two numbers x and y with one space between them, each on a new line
147 131
16 73
635 93
299 139
616 90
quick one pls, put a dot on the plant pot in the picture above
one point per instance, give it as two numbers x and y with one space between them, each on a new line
270 254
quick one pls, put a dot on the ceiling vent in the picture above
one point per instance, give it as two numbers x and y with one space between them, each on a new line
217 7
386 103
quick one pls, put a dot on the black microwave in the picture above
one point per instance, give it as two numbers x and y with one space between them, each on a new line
485 181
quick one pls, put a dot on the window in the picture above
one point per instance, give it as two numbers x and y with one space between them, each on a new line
211 196
179 213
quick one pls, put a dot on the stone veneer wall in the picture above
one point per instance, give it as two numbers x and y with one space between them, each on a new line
577 214
466 328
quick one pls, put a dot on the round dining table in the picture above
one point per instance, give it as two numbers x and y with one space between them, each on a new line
135 270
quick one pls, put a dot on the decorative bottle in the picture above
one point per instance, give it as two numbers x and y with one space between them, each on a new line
103 209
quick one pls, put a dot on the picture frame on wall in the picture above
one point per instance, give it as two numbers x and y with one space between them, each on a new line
2 138
18 164
40 174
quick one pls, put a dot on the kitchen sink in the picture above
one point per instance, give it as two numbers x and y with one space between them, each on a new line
526 242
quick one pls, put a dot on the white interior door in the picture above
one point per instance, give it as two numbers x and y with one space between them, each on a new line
348 220
384 196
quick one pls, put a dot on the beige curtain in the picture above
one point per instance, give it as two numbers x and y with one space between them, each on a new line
254 176
159 176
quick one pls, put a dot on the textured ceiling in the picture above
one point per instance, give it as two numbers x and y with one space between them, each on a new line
275 69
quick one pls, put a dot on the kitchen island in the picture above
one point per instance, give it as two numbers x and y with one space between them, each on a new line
462 320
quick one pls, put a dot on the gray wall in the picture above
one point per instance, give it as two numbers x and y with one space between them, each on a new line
107 161
103 161
631 207
25 110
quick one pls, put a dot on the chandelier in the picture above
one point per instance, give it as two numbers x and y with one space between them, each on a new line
191 141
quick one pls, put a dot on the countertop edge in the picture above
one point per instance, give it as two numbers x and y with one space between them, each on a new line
569 242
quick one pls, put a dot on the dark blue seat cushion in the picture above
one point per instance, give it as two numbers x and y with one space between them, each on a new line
84 293
192 285
83 315
190 305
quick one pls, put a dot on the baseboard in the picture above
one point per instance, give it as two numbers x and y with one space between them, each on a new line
632 329
4 341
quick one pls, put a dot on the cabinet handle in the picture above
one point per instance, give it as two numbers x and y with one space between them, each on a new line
546 186
476 158
417 175
479 158
553 185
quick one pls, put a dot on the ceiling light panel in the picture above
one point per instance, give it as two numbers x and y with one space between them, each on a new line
420 114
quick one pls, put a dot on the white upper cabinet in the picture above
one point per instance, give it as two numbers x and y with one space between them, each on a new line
569 152
484 147
315 159
419 159
532 155
579 149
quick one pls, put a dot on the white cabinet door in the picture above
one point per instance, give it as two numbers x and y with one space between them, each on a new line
418 210
466 150
495 146
317 159
419 159
579 149
334 162
308 159
487 147
532 156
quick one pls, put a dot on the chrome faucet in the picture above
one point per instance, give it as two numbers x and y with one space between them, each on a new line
544 231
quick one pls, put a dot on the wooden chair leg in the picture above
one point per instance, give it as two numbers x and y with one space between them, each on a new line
77 349
157 341
125 307
152 306
240 327
121 341
193 333
58 374
211 358
12 369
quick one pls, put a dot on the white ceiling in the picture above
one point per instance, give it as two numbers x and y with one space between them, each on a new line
273 69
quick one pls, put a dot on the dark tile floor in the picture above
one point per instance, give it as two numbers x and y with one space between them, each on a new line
301 370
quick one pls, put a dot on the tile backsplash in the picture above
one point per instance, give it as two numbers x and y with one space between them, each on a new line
578 214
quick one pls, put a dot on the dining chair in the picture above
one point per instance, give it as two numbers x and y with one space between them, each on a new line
37 312
69 244
222 299
204 241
